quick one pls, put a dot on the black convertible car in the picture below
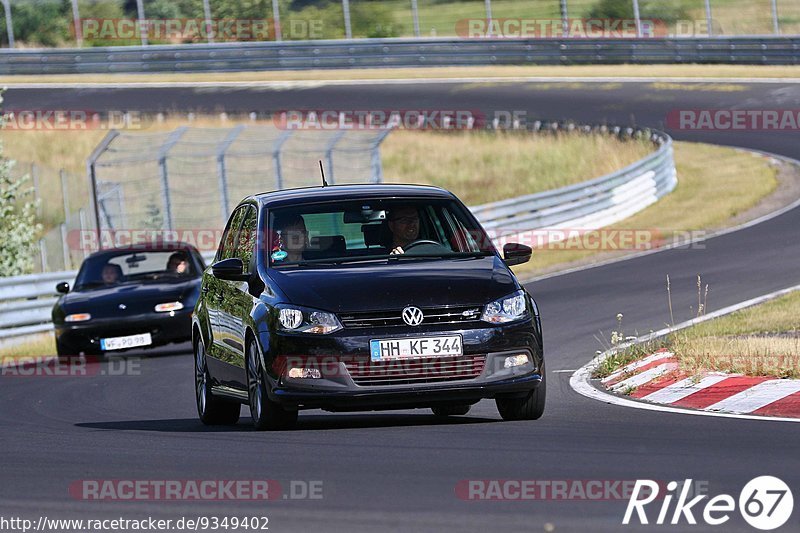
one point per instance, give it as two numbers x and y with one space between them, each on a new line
363 297
124 298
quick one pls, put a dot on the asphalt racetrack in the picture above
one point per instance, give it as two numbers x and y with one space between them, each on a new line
398 471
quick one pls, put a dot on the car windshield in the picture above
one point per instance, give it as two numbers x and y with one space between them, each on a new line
364 230
134 267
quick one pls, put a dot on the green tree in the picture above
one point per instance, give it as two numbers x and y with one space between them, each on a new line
18 224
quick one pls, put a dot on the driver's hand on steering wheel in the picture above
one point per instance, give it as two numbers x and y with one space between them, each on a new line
398 250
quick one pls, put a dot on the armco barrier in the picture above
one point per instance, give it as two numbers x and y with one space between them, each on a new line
366 53
26 301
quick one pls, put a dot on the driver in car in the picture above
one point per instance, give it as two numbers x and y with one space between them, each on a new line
403 221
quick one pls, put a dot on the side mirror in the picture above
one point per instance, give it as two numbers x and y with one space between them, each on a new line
230 270
62 287
516 254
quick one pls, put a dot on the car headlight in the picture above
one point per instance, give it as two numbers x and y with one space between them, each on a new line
78 317
302 320
169 306
505 309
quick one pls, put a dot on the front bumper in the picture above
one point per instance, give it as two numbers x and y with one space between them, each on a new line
348 379
163 328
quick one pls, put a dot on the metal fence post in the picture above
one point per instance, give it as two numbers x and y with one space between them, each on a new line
377 165
9 22
82 221
775 24
64 195
143 26
415 17
276 158
43 254
207 15
709 19
488 4
173 138
76 20
637 18
65 247
276 20
36 195
564 18
348 31
222 171
91 172
329 155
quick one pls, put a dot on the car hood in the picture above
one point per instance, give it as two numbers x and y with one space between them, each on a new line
348 288
136 297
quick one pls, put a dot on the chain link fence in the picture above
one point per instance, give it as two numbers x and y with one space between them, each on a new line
109 23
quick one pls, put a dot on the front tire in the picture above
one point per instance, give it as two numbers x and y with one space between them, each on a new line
531 407
212 410
266 414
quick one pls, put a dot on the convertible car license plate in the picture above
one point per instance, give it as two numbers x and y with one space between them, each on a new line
381 349
121 343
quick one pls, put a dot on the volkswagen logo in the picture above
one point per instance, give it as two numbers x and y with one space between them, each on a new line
412 316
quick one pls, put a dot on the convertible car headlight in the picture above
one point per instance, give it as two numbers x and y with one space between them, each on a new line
302 320
169 306
505 309
78 317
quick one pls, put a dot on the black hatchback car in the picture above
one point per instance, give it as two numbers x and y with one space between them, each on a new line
137 297
363 297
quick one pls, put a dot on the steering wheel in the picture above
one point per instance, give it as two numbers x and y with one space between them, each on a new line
419 242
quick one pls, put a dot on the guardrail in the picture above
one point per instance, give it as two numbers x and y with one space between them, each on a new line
591 204
26 301
364 53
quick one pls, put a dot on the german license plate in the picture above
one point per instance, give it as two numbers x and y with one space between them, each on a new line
121 343
381 349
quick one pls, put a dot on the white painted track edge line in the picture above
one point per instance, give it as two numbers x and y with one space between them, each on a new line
580 381
385 81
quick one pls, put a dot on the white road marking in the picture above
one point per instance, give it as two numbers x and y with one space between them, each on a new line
627 369
580 381
644 377
307 84
757 396
685 387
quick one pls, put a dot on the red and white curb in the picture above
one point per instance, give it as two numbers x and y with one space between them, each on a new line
658 379
656 383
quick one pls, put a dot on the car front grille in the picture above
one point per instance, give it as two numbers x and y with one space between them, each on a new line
432 315
418 370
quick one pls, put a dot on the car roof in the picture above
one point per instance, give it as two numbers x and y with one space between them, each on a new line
349 192
172 246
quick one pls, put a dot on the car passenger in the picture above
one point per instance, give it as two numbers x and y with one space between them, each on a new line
403 221
291 238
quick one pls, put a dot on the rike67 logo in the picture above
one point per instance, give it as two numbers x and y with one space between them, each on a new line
765 503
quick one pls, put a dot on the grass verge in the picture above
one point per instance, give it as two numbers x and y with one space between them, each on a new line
762 340
39 345
707 198
743 72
